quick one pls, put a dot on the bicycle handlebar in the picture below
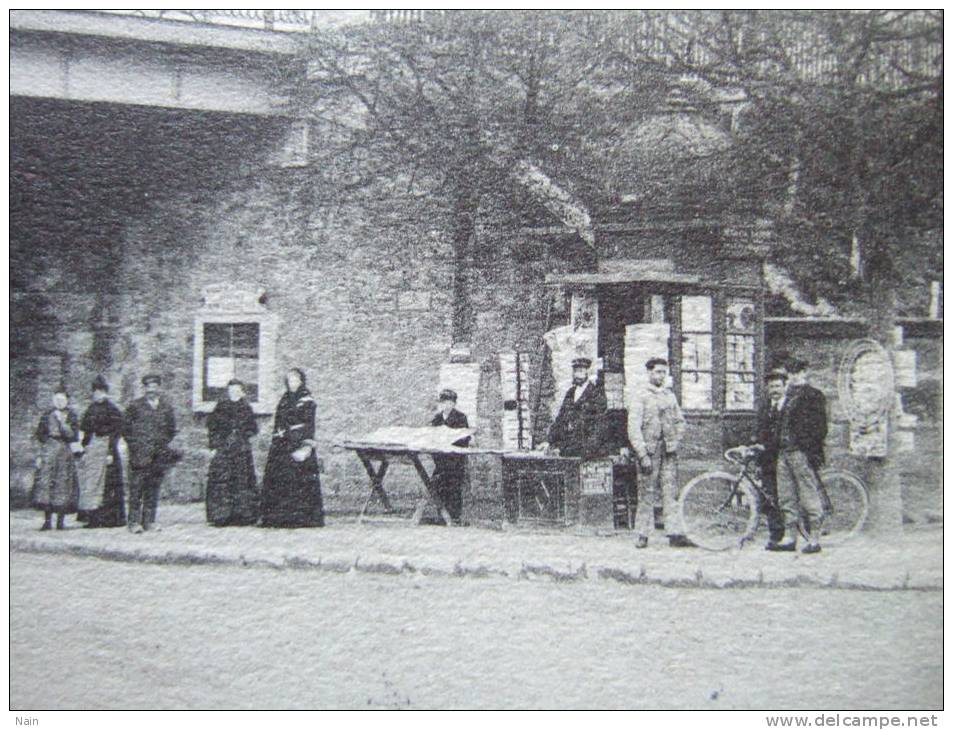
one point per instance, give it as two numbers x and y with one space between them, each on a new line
743 454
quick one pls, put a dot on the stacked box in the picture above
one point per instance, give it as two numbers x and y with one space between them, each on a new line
596 493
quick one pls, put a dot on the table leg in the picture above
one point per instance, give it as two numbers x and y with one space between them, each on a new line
377 482
428 485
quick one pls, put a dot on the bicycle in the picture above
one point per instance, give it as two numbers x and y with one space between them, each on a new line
720 510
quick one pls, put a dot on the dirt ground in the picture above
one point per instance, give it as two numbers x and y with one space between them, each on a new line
92 634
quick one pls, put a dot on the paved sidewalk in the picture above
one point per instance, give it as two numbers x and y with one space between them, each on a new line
389 546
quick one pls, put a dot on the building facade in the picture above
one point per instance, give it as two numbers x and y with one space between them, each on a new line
193 243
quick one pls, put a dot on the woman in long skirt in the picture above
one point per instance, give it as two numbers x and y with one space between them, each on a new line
102 466
231 496
291 489
55 484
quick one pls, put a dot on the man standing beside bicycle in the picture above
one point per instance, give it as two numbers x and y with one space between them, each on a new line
801 435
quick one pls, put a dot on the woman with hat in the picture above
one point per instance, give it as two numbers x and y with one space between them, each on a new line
291 488
55 484
231 496
101 475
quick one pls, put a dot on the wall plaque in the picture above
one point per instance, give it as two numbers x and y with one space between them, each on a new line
866 388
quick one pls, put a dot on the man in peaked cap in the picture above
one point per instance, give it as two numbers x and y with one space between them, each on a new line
579 428
148 428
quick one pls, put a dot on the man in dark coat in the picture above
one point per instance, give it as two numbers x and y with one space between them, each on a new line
767 431
580 426
450 472
801 437
148 428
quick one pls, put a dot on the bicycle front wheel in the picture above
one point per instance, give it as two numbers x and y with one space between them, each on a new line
847 512
717 511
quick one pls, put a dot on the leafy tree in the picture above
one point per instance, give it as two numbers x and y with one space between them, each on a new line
826 123
497 114
836 138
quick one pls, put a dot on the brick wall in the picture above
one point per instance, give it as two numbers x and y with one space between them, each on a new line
361 289
362 312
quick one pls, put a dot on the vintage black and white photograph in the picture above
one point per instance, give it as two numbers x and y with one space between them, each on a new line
477 360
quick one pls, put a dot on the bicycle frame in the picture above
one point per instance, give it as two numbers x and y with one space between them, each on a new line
747 462
747 457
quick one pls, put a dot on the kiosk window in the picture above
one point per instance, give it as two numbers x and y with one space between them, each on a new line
739 355
696 362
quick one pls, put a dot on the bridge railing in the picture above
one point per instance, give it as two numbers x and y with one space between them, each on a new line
663 36
280 20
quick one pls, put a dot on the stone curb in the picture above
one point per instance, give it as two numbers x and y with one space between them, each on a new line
525 571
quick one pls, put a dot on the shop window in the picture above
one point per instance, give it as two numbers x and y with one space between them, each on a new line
696 360
740 371
234 338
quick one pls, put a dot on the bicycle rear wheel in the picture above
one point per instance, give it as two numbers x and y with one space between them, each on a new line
849 505
717 511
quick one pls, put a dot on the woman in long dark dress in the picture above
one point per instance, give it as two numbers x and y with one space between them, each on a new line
291 489
231 497
102 468
56 484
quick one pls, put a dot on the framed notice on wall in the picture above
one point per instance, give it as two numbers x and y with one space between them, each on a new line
234 338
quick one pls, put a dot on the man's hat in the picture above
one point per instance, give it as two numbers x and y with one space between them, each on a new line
100 384
776 374
582 362
447 394
797 365
151 378
235 381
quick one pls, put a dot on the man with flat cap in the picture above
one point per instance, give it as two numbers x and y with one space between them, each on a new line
656 424
450 472
579 429
801 435
148 428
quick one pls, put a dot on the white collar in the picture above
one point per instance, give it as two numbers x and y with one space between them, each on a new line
578 390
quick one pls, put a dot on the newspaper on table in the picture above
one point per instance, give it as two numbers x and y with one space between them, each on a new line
421 438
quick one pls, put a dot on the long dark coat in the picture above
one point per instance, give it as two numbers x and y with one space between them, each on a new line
103 420
231 495
56 482
767 433
580 426
291 490
804 422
